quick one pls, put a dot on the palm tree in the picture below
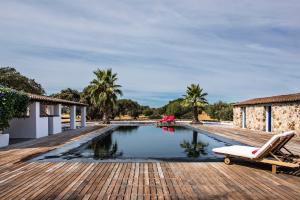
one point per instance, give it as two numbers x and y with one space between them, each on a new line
105 148
104 92
195 97
195 148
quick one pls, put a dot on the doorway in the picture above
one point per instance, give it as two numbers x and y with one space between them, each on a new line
268 118
244 118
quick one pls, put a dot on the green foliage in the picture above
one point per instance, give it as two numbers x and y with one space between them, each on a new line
68 94
196 99
155 116
175 109
188 115
148 112
128 107
13 104
10 77
104 92
195 148
93 111
220 111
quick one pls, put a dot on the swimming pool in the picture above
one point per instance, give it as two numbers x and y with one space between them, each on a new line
146 143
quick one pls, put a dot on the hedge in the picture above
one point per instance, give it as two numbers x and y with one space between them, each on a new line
13 104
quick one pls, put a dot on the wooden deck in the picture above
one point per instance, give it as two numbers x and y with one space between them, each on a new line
157 180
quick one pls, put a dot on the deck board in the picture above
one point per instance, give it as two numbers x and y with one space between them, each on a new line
136 180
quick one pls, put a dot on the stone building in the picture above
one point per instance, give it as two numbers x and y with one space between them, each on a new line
270 114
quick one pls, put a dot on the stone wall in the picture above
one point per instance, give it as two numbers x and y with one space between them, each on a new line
256 118
285 117
237 116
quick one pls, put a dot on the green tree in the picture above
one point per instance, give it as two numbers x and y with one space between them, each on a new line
175 109
104 92
93 111
128 107
13 104
220 111
195 97
68 94
148 112
10 77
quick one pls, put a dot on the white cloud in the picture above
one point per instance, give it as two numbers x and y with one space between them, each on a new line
234 49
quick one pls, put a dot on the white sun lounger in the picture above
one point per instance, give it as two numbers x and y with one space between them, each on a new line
271 152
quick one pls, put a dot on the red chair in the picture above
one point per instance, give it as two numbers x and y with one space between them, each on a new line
171 118
164 119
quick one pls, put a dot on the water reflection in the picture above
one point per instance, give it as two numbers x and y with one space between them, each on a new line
105 148
127 129
194 149
168 129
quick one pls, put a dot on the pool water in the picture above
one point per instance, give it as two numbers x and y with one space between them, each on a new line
149 142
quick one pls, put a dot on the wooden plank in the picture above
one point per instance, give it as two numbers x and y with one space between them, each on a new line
133 180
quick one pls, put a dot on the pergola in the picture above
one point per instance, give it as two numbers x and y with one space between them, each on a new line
36 124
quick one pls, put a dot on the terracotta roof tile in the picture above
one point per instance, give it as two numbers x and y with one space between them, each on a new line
273 99
35 97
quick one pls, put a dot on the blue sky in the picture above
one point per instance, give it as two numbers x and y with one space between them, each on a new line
235 49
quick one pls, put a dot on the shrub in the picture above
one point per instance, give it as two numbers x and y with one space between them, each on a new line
220 111
155 116
148 112
13 104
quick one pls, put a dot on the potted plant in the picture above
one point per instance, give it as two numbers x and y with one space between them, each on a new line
13 104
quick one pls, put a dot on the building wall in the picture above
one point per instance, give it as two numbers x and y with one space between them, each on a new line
256 118
33 126
54 124
22 128
237 116
285 117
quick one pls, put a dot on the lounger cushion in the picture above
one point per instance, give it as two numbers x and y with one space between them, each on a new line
246 151
271 142
236 150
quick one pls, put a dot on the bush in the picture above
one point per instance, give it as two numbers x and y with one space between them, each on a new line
220 111
188 115
13 104
155 116
148 112
175 109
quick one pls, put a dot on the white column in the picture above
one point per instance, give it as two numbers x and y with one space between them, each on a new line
57 110
83 116
41 123
73 117
34 119
55 120
34 110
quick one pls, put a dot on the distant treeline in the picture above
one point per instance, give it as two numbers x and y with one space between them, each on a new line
9 77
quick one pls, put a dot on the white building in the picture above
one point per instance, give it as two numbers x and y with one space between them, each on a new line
38 123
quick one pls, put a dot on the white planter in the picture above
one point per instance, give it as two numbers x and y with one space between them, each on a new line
4 140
